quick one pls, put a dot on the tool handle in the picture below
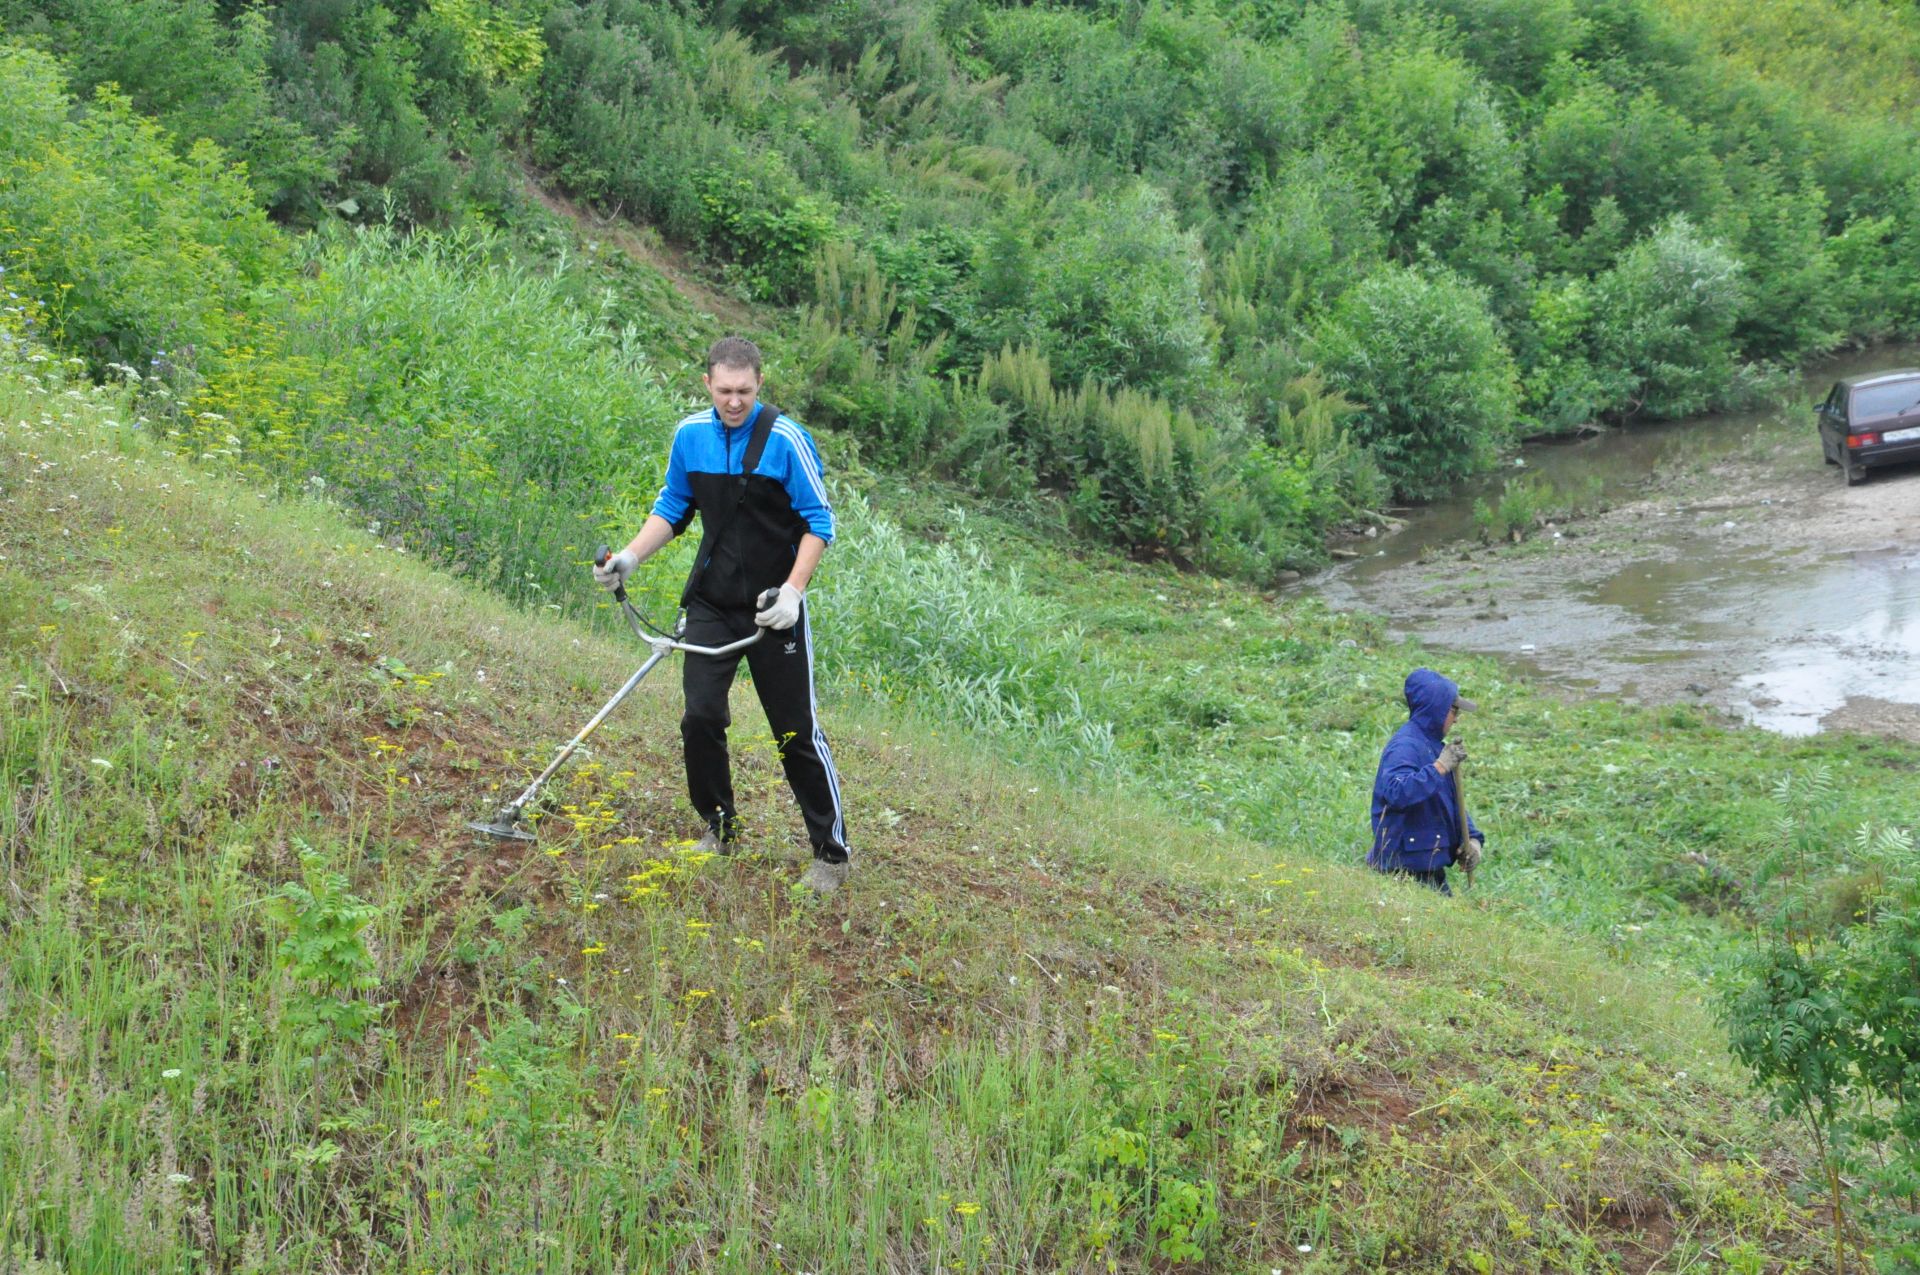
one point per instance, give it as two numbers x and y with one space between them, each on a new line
740 644
600 557
1460 809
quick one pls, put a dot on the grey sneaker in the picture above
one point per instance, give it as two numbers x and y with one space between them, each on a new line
710 843
824 878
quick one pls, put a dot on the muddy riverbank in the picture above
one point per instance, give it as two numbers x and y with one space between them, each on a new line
1729 567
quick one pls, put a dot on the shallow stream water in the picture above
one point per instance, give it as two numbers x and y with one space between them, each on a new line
1759 584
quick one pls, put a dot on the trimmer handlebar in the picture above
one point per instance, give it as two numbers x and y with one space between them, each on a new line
661 643
505 823
674 644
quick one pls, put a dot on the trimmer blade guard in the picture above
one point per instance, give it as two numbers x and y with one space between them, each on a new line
503 828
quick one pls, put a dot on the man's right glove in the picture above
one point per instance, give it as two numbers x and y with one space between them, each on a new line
1451 755
779 608
1468 856
614 571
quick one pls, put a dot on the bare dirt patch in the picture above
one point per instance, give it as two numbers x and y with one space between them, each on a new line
673 264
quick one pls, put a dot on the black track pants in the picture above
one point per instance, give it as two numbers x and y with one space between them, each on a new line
782 664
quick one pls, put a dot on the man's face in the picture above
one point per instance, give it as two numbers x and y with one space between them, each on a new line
1453 715
734 391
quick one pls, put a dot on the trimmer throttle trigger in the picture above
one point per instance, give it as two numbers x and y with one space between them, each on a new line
600 557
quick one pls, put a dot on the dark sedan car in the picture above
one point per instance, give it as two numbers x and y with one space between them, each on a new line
1871 420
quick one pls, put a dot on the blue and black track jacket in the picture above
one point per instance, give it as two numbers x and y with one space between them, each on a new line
785 497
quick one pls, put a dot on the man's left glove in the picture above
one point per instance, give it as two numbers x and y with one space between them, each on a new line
779 608
1468 856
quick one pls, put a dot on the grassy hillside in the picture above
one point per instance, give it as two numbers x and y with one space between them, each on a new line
268 1007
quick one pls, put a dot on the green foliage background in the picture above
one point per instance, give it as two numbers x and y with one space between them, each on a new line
1628 210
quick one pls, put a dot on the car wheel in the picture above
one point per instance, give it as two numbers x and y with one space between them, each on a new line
1856 474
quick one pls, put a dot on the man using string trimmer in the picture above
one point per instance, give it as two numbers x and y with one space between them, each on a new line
1420 820
755 478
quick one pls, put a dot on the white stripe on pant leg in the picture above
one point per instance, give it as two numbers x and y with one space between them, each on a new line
820 738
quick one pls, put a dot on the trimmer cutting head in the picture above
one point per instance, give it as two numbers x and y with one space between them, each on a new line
504 826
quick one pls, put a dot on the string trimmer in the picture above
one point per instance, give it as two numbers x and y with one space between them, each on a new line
505 822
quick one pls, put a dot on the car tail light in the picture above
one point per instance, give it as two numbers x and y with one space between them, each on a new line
1863 440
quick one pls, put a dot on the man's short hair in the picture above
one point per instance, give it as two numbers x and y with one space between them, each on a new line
733 351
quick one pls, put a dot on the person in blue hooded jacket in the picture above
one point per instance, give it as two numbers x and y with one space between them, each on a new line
1416 814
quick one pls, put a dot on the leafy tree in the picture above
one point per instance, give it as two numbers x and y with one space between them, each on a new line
1595 143
1304 235
1428 128
1830 1028
1776 229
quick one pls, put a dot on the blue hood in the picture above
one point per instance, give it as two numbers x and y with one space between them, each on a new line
1429 696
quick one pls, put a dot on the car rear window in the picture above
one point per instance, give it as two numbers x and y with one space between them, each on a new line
1885 400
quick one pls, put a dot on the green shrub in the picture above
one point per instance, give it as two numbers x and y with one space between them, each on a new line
1304 234
1663 322
473 408
1562 388
1527 503
1830 1028
1516 43
1437 387
1776 230
944 627
202 77
1596 143
1427 127
137 254
1130 462
1118 288
754 211
333 105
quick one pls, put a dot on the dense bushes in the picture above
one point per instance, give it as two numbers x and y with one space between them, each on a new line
1663 323
1475 220
334 106
1472 220
135 253
1118 284
480 411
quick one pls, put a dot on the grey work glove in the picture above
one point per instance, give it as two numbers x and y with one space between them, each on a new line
1451 755
616 569
1468 856
779 608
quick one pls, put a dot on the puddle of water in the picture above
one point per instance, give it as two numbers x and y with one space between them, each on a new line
1860 639
1783 637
